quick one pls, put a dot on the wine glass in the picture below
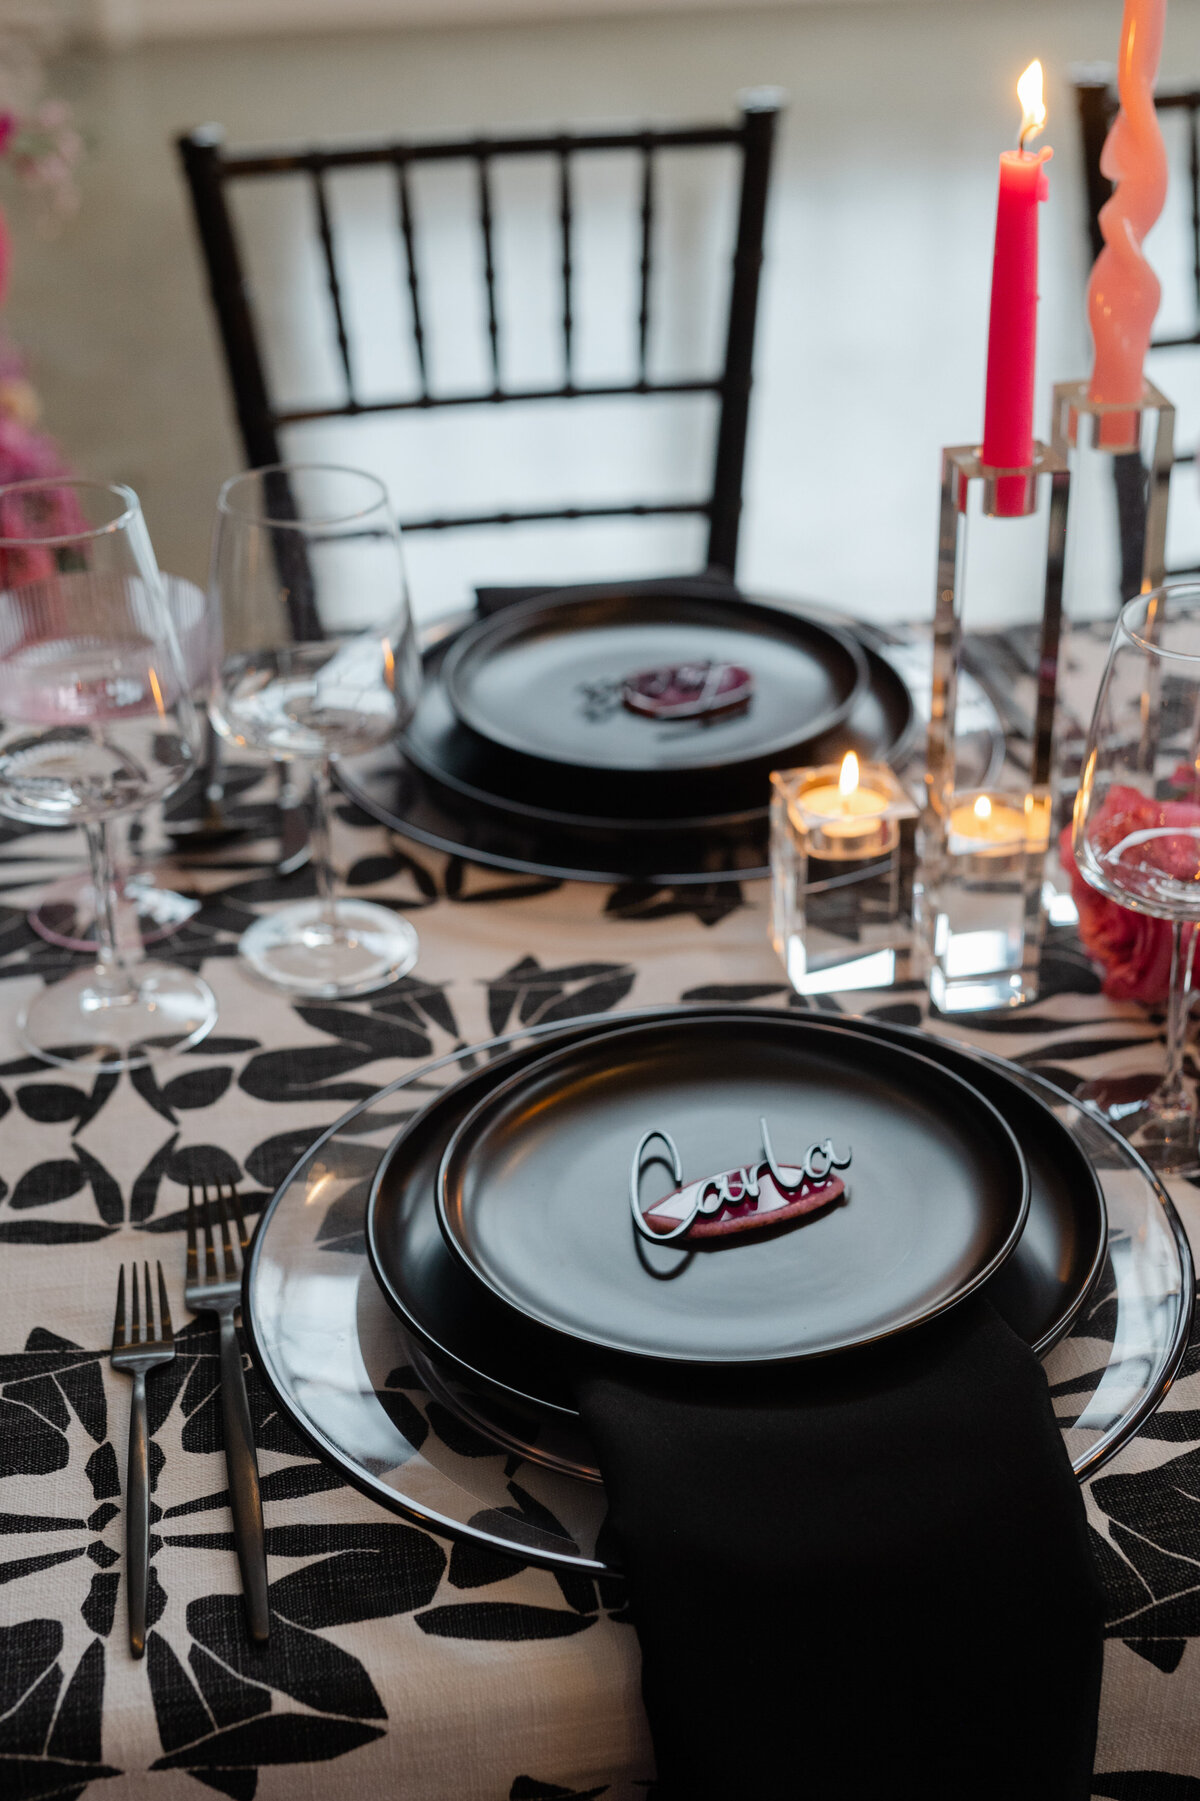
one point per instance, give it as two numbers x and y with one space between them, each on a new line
66 911
1137 837
321 662
95 722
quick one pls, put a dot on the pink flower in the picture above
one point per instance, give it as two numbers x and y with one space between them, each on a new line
43 148
1133 948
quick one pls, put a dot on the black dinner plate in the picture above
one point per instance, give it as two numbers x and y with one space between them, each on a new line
541 682
533 1190
1039 1289
880 728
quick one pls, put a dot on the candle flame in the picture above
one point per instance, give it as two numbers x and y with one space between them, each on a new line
848 779
983 807
1033 107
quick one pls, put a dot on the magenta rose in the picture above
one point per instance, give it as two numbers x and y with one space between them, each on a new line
1133 948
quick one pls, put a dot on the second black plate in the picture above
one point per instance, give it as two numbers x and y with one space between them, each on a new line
437 787
1038 1290
880 728
542 682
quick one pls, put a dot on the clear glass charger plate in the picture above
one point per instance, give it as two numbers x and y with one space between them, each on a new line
366 1396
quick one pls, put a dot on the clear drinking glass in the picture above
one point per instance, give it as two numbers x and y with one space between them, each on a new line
321 662
1137 839
95 721
146 912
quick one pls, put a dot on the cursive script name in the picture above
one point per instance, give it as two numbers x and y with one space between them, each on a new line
777 1191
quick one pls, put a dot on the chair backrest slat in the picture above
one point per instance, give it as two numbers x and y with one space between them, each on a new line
331 280
647 242
1194 173
739 347
408 236
200 153
484 172
565 223
211 170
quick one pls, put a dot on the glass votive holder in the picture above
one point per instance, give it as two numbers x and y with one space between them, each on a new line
841 876
978 899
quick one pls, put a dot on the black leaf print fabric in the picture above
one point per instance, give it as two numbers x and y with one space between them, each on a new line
100 1607
1146 1785
708 904
50 1734
525 1788
500 1619
529 995
48 1182
49 1103
357 1572
296 1662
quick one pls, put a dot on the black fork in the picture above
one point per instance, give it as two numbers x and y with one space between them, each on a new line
133 1353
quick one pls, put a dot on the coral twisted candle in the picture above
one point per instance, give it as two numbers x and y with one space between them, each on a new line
1012 329
1123 293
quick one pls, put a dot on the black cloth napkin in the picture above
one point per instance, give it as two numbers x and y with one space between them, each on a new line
865 1577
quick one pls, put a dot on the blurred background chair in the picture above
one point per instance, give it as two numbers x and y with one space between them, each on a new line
346 300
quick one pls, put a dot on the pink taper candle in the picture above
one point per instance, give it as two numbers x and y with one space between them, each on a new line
1123 293
1012 329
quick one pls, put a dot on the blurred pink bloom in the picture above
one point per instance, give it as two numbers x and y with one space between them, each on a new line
43 148
1133 948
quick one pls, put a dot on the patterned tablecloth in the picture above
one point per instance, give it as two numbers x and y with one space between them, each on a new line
400 1665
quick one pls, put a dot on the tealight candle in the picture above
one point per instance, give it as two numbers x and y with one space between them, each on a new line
850 925
984 822
850 806
978 900
847 815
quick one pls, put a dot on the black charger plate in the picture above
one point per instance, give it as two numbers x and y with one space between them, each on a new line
540 684
880 728
532 1190
426 788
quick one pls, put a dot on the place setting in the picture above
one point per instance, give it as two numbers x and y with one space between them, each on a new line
448 1365
1063 1209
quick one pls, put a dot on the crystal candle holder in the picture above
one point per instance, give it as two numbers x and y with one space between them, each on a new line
978 900
841 877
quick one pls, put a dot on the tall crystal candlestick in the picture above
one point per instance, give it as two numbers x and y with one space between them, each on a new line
1124 293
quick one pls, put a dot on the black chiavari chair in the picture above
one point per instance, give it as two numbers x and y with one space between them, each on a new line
212 170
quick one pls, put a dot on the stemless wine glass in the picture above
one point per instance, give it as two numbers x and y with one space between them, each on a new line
321 662
95 721
1137 837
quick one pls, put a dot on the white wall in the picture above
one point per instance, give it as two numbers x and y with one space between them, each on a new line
123 22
